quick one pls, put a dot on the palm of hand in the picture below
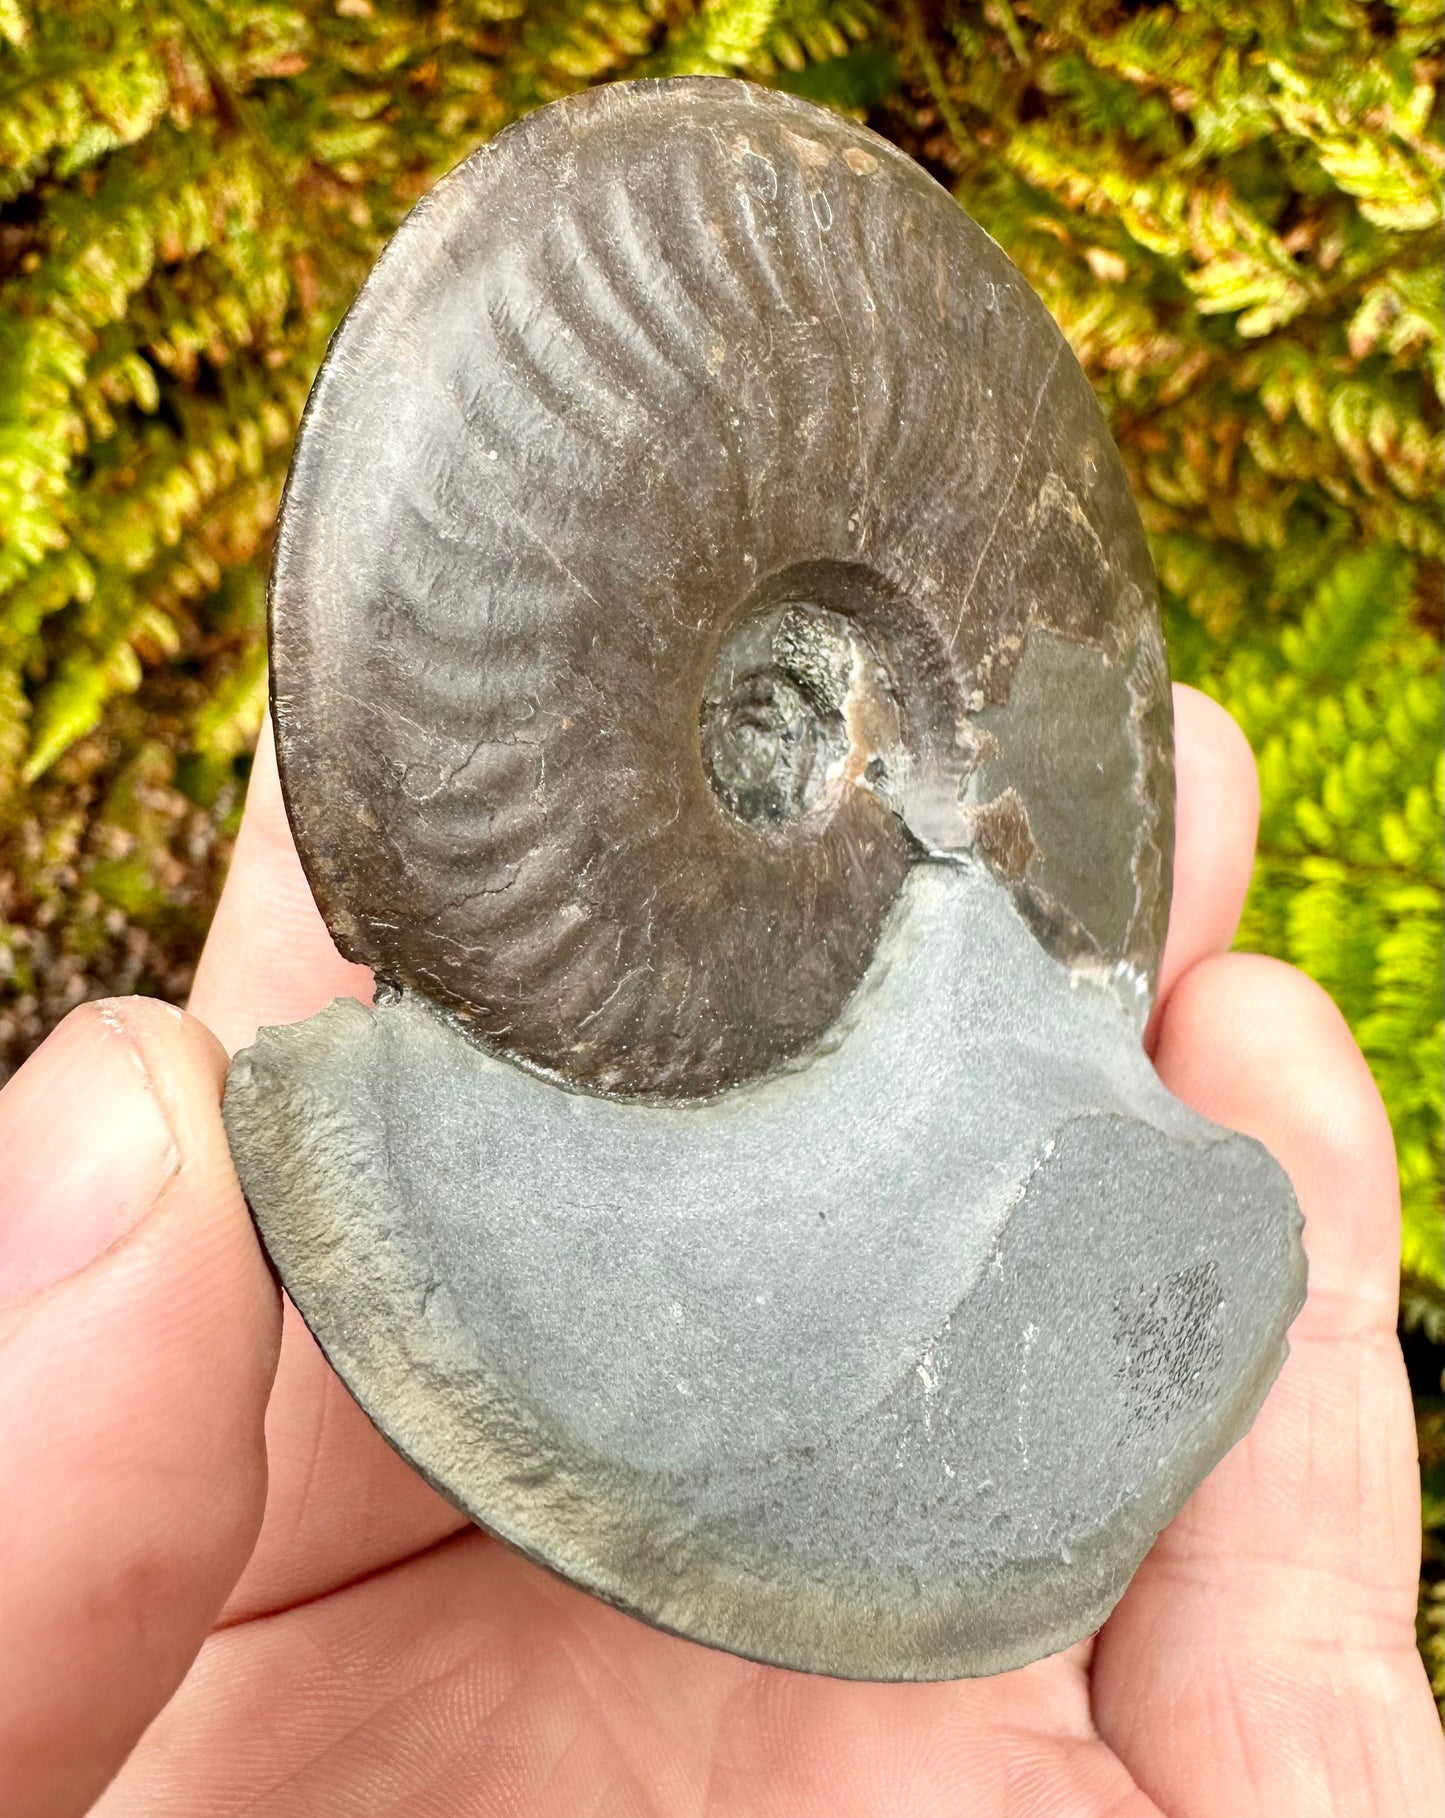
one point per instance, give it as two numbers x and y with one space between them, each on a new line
377 1654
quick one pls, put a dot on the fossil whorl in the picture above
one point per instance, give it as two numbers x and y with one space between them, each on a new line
670 524
719 687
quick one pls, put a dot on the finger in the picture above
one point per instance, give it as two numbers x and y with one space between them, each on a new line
268 959
1271 1630
1215 823
138 1335
341 1503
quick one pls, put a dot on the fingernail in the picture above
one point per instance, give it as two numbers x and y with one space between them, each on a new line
85 1152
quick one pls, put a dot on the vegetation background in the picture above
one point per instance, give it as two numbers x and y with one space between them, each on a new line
1232 209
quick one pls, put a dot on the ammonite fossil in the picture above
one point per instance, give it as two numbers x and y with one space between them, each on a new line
719 690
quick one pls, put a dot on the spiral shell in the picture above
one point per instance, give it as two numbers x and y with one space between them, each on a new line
648 393
719 689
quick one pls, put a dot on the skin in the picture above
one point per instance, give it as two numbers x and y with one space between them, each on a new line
221 1593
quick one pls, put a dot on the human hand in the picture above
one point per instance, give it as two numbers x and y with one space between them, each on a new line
202 1534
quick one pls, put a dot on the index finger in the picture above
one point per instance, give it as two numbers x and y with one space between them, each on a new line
268 958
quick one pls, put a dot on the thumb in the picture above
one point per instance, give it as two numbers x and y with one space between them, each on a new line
138 1338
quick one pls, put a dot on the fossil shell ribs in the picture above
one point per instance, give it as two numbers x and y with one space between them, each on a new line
651 382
